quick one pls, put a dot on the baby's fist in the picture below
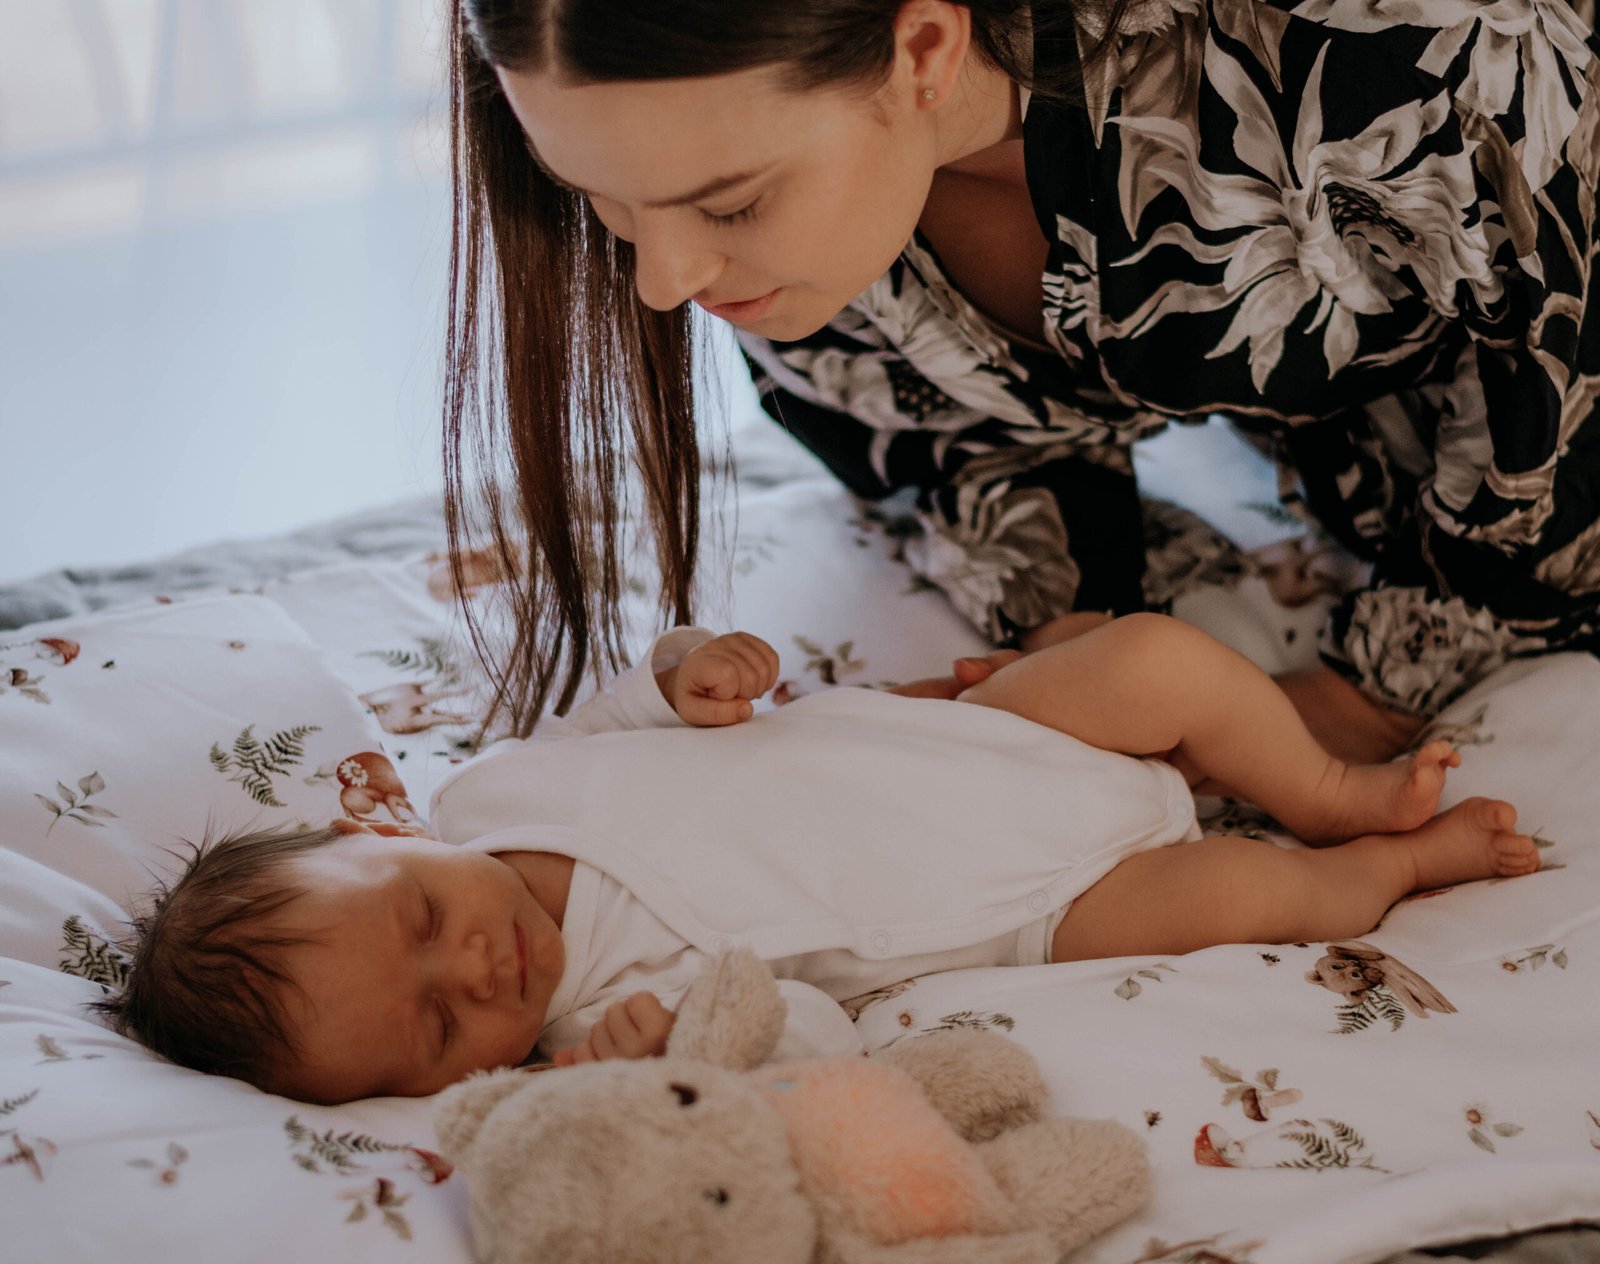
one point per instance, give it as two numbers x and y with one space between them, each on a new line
636 1027
718 680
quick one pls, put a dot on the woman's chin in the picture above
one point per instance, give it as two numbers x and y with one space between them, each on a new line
787 324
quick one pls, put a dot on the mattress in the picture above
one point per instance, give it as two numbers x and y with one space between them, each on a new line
1449 1097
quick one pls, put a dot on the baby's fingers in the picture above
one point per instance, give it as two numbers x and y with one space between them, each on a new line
752 662
651 1023
715 712
577 1054
760 661
601 1043
632 1028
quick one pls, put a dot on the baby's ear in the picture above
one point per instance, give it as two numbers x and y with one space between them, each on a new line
463 1107
732 1015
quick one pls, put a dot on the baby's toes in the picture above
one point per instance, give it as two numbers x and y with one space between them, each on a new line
1492 816
1439 753
1515 854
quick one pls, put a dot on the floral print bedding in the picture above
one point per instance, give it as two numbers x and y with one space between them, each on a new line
1321 1102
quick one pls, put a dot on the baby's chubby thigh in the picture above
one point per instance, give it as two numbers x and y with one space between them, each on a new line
1120 686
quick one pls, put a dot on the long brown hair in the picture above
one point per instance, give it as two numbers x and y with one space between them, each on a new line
556 373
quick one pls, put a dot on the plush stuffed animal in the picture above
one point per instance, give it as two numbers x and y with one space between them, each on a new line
934 1151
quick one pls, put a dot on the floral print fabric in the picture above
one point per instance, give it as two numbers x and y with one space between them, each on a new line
1363 229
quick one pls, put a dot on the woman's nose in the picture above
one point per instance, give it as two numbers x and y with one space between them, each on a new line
671 265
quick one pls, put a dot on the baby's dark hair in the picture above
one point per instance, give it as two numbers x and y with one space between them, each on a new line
207 983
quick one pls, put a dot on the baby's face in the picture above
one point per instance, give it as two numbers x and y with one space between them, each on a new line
429 962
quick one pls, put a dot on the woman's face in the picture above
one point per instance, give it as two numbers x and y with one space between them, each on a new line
828 196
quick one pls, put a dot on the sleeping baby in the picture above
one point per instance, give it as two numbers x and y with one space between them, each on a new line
576 880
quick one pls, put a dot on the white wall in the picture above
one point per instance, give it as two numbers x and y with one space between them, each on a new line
223 239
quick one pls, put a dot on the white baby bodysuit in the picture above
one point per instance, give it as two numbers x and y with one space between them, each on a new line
616 946
853 839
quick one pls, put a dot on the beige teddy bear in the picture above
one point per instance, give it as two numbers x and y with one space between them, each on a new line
934 1151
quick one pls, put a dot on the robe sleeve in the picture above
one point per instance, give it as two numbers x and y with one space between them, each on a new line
1498 549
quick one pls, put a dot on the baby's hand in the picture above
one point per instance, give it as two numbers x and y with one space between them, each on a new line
718 680
636 1027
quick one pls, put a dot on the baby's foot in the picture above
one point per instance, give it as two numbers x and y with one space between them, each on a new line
1389 798
1473 840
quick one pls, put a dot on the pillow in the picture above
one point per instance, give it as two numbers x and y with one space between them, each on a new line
122 736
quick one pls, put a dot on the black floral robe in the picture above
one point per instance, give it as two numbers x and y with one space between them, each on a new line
1363 229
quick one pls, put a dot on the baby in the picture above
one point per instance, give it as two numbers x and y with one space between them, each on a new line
854 839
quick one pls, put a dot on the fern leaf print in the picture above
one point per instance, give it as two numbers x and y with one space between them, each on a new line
91 956
253 763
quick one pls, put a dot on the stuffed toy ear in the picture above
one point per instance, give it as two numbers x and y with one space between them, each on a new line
732 1015
463 1107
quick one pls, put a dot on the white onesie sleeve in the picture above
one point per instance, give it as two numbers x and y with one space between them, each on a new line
632 701
616 946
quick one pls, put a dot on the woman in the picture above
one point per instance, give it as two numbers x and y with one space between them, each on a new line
980 249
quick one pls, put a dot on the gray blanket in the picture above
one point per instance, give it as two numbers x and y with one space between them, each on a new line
402 529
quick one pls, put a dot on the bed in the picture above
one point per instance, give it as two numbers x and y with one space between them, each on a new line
1430 1087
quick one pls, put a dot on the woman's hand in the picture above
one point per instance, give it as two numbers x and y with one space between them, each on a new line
964 673
1348 723
719 680
636 1027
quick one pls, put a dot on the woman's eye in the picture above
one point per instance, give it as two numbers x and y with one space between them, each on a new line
728 221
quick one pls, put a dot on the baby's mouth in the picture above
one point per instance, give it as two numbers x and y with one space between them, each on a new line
522 963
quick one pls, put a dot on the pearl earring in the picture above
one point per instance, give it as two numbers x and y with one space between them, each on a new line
928 94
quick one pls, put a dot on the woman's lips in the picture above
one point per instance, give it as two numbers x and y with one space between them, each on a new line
745 312
522 963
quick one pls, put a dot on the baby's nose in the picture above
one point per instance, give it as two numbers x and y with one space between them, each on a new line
475 968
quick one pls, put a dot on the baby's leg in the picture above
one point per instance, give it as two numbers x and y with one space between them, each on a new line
1223 890
1149 685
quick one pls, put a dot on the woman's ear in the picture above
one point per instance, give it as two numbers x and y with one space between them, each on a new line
932 39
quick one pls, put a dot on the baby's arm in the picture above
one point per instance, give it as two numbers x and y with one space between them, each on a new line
638 1027
678 682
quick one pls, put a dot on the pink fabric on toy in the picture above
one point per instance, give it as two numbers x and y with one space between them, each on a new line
869 1142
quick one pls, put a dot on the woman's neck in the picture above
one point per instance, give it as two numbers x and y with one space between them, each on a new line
983 118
